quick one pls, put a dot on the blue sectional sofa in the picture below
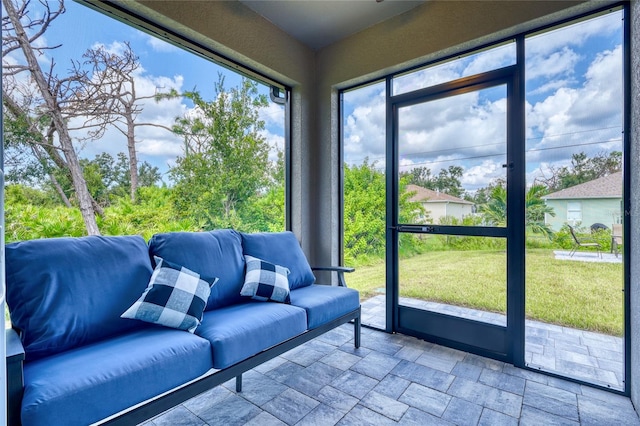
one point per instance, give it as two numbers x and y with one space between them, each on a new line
73 359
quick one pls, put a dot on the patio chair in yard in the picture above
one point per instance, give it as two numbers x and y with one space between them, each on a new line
585 242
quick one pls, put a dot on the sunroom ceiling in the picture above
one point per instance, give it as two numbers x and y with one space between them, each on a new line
319 23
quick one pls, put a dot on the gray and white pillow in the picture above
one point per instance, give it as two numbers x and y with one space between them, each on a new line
265 281
175 297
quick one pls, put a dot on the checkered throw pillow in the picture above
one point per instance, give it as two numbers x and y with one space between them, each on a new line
175 297
265 281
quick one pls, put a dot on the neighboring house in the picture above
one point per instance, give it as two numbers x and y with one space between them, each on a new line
439 205
596 201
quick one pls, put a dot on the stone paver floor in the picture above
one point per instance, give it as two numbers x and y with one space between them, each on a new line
396 379
592 357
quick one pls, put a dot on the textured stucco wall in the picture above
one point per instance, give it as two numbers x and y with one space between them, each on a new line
634 158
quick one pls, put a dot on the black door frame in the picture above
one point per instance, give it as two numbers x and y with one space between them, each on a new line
516 329
472 336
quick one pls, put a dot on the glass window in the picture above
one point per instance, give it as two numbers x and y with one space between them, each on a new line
462 66
574 212
364 192
164 139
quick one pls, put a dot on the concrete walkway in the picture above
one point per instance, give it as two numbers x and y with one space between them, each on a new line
396 379
588 256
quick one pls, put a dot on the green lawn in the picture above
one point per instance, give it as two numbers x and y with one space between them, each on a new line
582 295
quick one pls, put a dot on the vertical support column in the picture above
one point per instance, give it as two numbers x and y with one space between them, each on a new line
356 331
633 166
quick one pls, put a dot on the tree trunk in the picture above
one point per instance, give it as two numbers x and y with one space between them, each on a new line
79 184
133 156
52 177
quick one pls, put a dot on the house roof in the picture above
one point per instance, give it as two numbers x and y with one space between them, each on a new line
424 195
605 187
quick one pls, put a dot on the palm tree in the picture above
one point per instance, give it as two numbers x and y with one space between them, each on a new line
536 210
495 210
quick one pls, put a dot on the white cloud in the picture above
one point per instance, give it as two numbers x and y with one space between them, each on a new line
272 115
561 62
365 132
581 110
159 45
586 118
477 176
576 35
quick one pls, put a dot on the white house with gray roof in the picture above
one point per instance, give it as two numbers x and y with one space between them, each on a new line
596 201
439 205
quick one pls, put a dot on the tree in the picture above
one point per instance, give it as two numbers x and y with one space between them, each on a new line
494 211
267 213
225 163
41 112
108 178
107 96
582 169
446 181
365 212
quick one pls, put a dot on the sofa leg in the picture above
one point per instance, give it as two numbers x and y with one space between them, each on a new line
239 383
356 332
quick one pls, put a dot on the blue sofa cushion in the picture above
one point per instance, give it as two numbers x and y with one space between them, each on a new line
324 303
265 281
280 248
175 297
240 331
84 385
211 254
67 292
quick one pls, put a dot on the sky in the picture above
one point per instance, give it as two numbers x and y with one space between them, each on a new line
574 104
573 100
163 67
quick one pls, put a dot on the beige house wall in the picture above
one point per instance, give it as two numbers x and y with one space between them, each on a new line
438 210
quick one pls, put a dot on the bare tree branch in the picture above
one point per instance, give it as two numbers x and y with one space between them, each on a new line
15 30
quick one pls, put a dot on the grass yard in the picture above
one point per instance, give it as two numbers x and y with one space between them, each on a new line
581 295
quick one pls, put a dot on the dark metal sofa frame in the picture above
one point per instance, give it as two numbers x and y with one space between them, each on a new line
151 408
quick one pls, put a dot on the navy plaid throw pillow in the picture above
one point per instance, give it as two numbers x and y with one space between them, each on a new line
265 281
175 297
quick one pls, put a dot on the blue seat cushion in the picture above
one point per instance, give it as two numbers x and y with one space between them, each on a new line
211 254
240 331
68 292
324 303
84 385
280 248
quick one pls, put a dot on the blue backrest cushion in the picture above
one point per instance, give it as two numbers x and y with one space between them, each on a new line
211 254
280 248
67 292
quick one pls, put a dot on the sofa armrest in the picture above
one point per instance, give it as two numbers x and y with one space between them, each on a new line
15 379
339 269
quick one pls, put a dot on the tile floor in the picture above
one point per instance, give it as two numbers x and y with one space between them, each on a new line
396 379
593 357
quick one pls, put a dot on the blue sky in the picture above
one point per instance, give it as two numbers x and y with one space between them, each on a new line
574 99
163 66
573 104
